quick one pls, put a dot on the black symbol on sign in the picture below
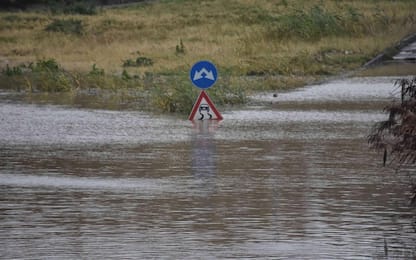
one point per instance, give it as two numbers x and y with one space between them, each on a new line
204 108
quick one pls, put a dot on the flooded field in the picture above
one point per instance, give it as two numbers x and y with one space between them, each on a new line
288 177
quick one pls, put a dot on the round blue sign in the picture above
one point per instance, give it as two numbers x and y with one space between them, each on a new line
203 74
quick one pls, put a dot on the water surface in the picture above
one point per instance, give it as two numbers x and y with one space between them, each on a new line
287 178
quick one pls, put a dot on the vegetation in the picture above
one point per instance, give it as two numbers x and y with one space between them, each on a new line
70 26
396 136
150 46
86 7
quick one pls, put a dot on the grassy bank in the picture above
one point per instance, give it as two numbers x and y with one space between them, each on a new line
150 47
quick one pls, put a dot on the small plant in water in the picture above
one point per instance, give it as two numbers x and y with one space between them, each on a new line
396 136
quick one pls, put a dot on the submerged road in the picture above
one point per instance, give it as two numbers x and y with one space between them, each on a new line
407 53
289 177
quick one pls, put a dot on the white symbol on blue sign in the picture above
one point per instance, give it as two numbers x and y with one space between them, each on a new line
203 74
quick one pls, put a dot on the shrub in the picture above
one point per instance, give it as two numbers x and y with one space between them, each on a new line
139 62
396 136
47 75
176 99
95 71
50 65
125 75
13 71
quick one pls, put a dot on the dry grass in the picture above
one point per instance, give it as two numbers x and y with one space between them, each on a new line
256 44
233 34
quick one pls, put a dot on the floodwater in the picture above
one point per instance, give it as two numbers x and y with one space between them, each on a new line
289 177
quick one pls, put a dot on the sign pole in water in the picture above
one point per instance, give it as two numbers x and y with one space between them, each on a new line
203 75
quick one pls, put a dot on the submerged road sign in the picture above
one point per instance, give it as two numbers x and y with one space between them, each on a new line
204 109
203 74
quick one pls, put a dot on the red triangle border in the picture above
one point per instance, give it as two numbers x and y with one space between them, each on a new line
195 108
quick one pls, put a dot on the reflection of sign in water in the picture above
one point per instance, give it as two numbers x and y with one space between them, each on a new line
204 109
204 154
203 74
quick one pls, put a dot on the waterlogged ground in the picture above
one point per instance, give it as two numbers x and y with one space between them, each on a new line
289 177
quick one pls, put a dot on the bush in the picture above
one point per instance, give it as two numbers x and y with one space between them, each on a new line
95 71
139 62
396 136
47 75
13 71
50 65
176 99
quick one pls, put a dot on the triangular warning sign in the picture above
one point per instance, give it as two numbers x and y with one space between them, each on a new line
204 109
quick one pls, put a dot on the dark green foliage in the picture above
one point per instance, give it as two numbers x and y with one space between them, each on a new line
143 61
13 71
396 136
139 62
178 98
47 75
129 63
95 71
125 75
179 95
50 65
69 26
44 75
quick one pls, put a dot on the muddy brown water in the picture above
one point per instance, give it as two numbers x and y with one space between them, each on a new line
289 177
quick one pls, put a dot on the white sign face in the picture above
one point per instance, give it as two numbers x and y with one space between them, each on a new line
204 109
